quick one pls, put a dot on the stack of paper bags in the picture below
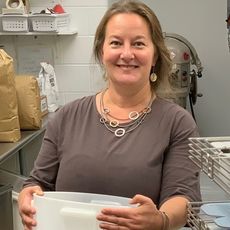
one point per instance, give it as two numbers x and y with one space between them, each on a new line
9 120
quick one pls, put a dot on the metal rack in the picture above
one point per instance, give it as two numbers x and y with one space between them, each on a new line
197 219
212 156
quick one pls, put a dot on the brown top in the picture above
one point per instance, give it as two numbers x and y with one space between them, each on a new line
79 154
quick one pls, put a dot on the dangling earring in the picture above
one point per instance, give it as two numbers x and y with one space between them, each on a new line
153 77
105 75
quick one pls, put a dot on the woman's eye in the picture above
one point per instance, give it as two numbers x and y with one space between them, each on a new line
115 43
139 44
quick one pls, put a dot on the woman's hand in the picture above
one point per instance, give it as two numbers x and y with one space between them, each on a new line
26 210
144 216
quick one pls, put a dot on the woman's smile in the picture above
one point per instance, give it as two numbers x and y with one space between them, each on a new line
128 51
127 67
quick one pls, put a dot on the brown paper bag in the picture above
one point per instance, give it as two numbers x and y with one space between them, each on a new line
9 121
29 104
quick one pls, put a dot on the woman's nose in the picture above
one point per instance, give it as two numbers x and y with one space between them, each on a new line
127 53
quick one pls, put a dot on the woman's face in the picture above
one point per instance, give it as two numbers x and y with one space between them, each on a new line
128 52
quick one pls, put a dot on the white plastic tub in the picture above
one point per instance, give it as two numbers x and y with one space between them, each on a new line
72 211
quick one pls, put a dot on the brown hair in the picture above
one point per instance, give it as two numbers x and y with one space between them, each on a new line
163 64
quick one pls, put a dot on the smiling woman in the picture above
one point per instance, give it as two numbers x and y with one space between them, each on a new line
128 51
125 140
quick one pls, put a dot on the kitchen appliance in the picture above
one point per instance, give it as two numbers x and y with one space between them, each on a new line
185 70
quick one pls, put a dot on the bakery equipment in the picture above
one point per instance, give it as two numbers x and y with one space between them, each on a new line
186 68
212 156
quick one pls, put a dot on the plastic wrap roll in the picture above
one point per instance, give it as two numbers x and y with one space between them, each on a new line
14 4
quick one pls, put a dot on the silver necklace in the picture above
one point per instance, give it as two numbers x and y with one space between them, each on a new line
114 126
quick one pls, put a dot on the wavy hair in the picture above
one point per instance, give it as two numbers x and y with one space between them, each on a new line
163 63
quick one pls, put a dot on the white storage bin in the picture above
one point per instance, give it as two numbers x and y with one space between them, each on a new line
50 22
14 23
71 211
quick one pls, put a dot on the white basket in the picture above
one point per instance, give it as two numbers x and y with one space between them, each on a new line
14 23
50 22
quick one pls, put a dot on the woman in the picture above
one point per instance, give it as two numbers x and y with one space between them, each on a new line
125 140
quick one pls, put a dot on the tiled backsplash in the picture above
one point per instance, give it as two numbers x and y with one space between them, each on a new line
76 73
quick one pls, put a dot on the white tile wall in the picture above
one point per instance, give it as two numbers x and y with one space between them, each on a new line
84 3
94 3
2 4
85 19
9 47
75 70
75 49
96 83
69 78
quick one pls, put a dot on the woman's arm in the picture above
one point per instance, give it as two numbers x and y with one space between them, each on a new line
176 210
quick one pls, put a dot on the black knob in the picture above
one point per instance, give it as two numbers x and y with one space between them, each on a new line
199 74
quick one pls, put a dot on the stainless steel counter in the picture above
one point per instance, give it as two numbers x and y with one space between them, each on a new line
16 162
8 149
19 157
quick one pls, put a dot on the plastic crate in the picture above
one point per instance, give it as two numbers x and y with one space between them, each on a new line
14 23
50 22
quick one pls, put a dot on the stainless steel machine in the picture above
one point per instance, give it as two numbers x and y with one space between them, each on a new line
186 68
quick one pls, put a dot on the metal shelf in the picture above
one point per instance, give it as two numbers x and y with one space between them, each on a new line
213 161
197 219
67 32
212 156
